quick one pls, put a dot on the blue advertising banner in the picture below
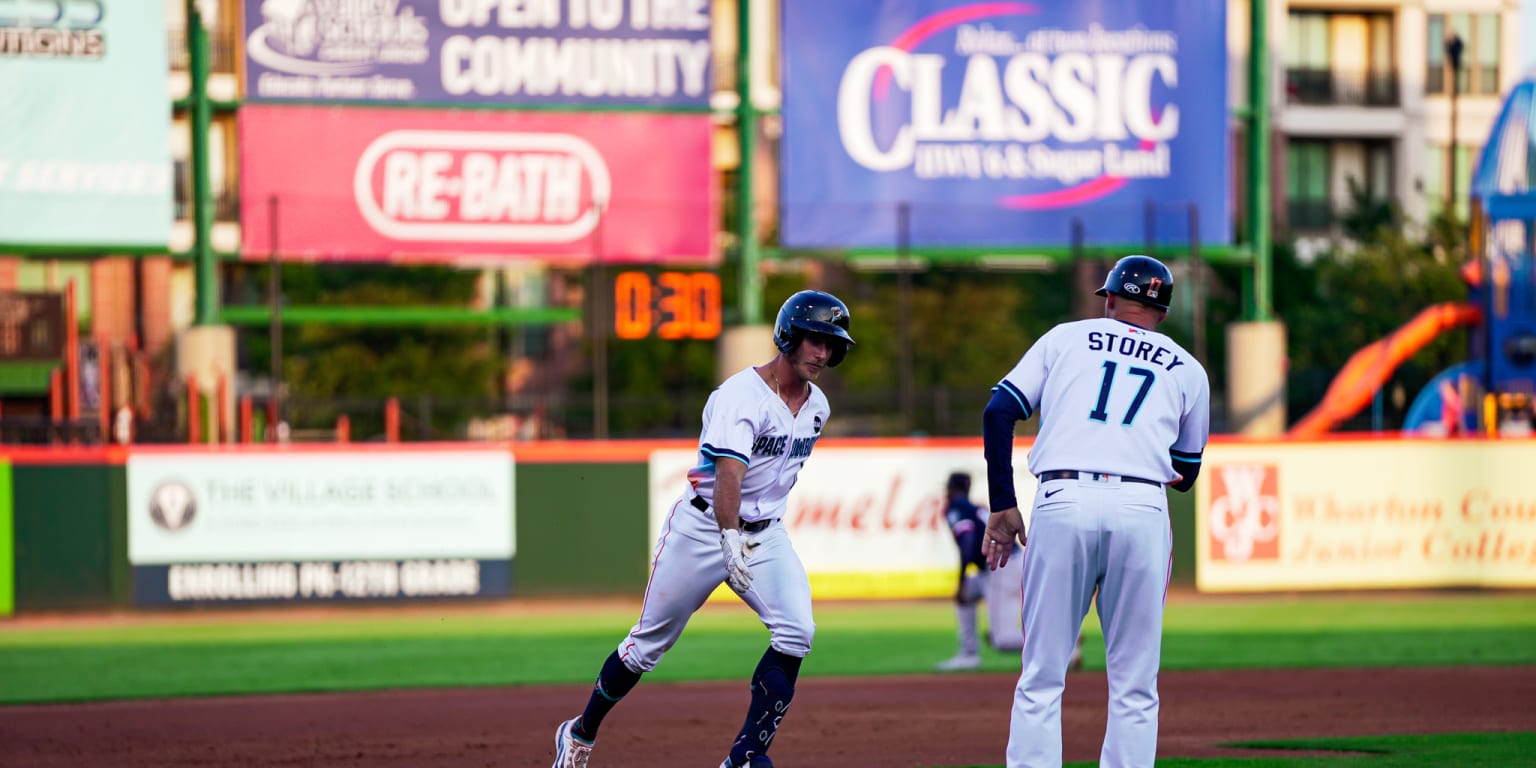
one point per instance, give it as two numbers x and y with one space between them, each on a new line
575 53
938 123
85 143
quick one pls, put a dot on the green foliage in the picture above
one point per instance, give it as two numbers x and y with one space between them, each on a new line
1345 300
964 330
324 366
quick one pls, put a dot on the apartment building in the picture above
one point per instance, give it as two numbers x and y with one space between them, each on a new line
1364 98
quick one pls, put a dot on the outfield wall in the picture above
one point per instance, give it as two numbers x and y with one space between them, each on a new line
88 529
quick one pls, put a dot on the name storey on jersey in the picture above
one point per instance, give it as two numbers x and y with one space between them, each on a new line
1130 346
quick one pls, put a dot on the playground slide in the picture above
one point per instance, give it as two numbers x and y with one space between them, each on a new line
1369 368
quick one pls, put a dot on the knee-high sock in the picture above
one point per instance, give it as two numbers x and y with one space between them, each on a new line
613 683
773 686
970 638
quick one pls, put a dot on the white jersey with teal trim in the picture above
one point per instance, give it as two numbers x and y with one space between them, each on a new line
1105 376
746 421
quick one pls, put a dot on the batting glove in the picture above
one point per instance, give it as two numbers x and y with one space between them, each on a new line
737 573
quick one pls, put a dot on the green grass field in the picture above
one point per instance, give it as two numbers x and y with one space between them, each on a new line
210 653
227 653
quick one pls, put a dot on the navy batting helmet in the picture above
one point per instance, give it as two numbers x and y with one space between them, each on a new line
959 481
1140 278
813 312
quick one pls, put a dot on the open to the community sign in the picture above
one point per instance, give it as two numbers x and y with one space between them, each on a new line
572 53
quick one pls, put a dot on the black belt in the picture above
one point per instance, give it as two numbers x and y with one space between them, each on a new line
1072 474
701 505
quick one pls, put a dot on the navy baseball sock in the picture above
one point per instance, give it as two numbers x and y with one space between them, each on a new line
613 683
773 686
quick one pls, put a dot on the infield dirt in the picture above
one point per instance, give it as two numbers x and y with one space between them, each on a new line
907 721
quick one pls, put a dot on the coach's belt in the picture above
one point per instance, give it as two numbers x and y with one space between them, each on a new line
756 526
1072 474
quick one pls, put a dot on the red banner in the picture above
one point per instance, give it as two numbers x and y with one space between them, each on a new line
351 184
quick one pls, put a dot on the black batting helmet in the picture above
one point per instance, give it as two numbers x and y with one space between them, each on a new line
959 481
1140 278
813 312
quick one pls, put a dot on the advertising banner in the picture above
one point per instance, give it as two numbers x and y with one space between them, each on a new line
866 522
1403 514
436 185
85 152
305 526
942 123
577 53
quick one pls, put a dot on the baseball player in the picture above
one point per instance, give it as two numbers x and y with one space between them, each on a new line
759 428
999 588
1124 411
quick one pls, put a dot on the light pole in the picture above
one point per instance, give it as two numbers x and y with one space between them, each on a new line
1453 49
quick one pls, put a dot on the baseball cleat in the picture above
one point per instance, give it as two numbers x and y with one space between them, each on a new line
960 662
570 750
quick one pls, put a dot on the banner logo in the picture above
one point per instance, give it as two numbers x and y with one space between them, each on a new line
481 187
61 29
1088 109
172 505
1244 519
314 37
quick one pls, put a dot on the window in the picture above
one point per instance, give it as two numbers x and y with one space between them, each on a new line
1479 55
1434 178
1378 171
1306 182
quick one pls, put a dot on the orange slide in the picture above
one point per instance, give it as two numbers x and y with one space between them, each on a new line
1370 367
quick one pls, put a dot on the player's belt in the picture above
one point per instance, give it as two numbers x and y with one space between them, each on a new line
1072 474
756 526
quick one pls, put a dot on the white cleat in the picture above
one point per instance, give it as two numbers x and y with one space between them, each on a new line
570 751
960 662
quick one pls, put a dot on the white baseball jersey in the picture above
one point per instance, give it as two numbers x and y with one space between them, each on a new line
1100 377
1116 403
746 421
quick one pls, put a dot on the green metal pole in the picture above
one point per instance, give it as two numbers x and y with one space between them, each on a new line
202 198
1256 290
750 282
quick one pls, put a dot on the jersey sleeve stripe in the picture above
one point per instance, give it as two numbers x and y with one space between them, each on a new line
1185 456
719 453
1017 395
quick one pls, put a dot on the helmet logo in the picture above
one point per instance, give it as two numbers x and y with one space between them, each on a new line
837 313
1132 288
1157 283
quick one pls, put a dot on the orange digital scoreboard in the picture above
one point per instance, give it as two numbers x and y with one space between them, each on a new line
666 305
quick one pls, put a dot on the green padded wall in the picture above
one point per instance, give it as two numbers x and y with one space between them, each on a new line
582 528
70 535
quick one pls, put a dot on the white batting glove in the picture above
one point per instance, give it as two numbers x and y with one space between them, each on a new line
737 573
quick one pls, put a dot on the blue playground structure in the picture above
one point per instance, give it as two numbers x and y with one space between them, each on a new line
1492 392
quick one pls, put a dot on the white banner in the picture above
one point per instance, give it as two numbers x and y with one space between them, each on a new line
209 507
867 522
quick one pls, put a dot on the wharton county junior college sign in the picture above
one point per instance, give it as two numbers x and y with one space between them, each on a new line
559 52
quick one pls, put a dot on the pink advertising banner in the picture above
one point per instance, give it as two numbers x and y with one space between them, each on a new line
413 185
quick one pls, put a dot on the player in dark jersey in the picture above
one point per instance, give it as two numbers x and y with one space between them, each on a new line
1000 588
967 522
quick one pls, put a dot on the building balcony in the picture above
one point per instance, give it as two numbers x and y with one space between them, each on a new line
1310 215
226 204
1328 87
221 50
